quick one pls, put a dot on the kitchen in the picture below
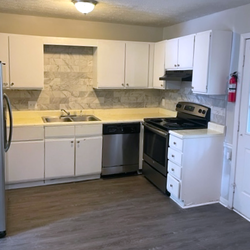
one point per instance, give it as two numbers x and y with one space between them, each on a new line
221 111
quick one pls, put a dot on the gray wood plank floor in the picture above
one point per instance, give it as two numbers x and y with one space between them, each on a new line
120 213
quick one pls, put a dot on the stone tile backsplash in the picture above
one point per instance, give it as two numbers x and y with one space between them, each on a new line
68 83
217 103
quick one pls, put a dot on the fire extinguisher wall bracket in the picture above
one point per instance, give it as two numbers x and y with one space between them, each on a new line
232 87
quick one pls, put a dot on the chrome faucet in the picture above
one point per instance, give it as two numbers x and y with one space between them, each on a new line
68 113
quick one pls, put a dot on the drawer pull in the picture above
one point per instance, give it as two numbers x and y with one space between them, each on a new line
175 143
171 185
172 156
172 169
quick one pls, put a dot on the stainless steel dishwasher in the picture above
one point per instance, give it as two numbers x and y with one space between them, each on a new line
120 151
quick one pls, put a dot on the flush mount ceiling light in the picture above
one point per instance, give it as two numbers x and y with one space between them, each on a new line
84 6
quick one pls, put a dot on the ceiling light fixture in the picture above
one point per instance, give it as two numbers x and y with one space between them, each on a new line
84 6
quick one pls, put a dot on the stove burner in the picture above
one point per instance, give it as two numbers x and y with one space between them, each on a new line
156 120
174 123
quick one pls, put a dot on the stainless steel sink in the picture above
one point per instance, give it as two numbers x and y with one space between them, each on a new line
72 118
85 118
56 119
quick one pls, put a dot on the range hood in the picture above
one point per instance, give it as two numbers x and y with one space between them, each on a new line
177 75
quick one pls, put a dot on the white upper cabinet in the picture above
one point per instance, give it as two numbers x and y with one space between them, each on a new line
23 58
171 54
121 64
109 64
137 65
179 53
211 62
26 62
159 60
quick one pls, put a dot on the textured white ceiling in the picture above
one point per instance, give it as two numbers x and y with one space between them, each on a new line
159 13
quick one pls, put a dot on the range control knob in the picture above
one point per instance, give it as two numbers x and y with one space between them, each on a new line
200 110
204 112
178 105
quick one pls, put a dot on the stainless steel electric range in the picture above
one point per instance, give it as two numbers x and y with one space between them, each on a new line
156 139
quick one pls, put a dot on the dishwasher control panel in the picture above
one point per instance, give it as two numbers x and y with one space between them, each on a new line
121 128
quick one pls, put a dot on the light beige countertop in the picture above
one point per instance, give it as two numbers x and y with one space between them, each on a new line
212 130
34 118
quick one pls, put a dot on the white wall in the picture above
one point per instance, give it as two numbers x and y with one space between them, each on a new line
59 27
236 20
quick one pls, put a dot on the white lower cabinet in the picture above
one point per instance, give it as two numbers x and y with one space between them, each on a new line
59 152
173 186
194 168
59 158
73 151
88 156
25 162
25 158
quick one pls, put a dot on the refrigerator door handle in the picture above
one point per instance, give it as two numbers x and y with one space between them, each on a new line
8 142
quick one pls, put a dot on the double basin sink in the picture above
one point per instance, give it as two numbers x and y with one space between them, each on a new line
70 118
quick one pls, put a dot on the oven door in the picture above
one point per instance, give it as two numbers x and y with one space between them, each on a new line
155 148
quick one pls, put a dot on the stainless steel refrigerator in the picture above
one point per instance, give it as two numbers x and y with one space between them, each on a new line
5 140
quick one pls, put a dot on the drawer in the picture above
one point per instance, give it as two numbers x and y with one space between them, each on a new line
175 156
173 186
175 143
59 131
27 133
174 170
88 130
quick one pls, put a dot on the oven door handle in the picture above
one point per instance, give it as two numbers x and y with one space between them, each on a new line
157 131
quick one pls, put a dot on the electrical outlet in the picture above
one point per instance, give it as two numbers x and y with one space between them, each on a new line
32 105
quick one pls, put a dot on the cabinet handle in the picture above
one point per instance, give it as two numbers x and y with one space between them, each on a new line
12 84
72 142
171 185
3 63
127 84
172 169
161 85
123 84
172 156
5 84
175 65
174 143
178 65
78 141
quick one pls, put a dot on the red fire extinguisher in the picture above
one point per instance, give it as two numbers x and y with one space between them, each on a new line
232 87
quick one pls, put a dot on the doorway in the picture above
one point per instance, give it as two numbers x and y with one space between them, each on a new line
241 198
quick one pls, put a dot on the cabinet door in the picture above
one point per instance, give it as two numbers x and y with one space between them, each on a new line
25 162
201 62
159 60
171 54
88 155
4 58
186 52
59 158
110 64
137 65
26 62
